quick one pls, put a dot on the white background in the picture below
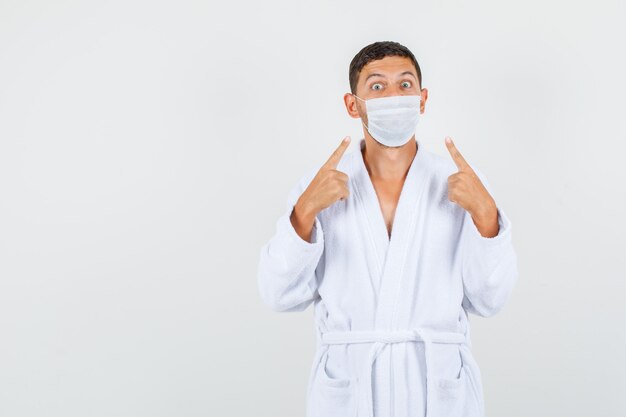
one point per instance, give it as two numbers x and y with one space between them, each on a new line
146 151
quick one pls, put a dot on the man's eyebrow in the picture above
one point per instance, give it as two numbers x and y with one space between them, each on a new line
381 75
373 75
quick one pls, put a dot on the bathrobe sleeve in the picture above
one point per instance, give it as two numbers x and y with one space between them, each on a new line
286 271
489 264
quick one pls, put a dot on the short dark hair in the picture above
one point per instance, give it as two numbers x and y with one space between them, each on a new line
374 52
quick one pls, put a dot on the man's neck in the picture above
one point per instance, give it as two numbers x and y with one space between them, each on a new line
387 163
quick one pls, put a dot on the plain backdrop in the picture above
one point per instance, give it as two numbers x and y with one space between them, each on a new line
146 152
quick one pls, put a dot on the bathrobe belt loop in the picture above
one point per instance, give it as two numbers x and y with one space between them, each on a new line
380 339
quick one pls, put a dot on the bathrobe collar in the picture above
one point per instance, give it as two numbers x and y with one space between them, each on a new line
390 252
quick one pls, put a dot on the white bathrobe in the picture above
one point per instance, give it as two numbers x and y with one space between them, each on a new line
391 315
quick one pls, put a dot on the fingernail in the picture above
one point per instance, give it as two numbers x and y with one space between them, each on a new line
346 139
448 140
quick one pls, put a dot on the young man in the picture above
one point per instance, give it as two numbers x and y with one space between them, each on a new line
394 245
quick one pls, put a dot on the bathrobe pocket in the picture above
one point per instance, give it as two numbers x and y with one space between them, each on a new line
454 397
331 395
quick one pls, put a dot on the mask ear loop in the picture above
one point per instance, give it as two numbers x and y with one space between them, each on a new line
368 130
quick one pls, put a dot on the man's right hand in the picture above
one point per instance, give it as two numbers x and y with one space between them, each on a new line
327 187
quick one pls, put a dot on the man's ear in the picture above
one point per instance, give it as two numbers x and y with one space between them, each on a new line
350 102
424 93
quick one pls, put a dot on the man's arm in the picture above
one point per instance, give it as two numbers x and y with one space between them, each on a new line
489 263
287 262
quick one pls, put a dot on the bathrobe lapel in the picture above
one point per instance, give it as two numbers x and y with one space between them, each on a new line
391 253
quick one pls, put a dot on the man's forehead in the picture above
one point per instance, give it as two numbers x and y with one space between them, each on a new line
389 66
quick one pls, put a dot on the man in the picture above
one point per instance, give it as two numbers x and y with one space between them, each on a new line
394 245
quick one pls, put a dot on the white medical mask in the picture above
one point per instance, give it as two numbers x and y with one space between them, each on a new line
392 120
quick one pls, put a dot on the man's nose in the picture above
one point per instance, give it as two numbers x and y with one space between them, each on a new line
393 91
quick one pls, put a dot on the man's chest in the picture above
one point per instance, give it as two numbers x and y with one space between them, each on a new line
388 195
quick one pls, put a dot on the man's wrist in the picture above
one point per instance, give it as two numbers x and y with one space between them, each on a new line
303 220
486 220
305 214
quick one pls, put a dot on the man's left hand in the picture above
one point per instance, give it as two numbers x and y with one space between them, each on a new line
468 191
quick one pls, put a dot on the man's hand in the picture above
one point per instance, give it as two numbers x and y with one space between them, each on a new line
466 189
328 186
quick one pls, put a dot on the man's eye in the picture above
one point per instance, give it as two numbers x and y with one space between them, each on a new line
406 82
374 85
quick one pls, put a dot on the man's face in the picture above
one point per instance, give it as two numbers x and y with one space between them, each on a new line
390 76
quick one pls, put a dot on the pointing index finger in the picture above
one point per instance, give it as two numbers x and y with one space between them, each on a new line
338 153
458 159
